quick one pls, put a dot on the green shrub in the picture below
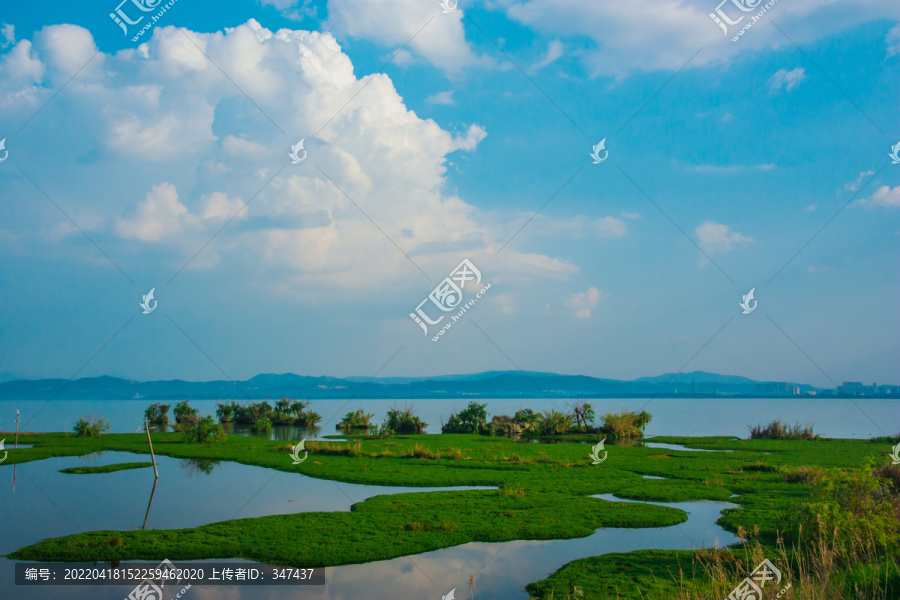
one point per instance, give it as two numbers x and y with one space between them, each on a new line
384 431
158 413
357 419
471 419
91 427
404 420
624 425
856 511
262 425
308 419
584 415
642 420
205 430
184 413
803 474
526 415
225 412
555 422
776 430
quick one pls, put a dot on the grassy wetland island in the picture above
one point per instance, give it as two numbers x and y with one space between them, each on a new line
827 511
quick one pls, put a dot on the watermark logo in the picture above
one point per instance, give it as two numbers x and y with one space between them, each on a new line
121 19
723 20
124 21
449 6
148 298
447 297
747 299
6 152
452 594
296 450
295 156
5 452
152 589
595 453
895 455
601 145
751 587
894 154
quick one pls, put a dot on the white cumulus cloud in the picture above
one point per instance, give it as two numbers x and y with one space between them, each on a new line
786 80
582 303
885 196
160 215
716 237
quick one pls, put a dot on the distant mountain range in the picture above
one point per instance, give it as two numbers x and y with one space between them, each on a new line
490 384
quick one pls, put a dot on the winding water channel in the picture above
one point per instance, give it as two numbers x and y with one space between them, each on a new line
46 503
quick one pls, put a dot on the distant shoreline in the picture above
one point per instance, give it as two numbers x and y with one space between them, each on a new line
175 397
474 386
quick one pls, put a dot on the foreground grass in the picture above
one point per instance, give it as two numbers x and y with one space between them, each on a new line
543 494
106 468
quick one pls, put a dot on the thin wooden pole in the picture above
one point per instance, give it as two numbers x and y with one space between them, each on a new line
147 516
17 428
153 456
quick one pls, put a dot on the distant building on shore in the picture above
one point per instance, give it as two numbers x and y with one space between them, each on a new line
850 388
777 388
856 388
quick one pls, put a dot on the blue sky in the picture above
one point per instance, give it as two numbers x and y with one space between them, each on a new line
761 163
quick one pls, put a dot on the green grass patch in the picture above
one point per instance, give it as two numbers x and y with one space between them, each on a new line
543 492
106 468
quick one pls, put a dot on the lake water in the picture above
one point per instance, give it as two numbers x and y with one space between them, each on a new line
46 503
830 417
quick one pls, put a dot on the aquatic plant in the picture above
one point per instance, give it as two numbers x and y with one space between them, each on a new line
526 415
357 419
403 420
282 405
803 474
90 427
643 419
204 430
184 412
555 421
225 412
384 431
584 414
624 425
158 413
308 419
776 430
469 420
